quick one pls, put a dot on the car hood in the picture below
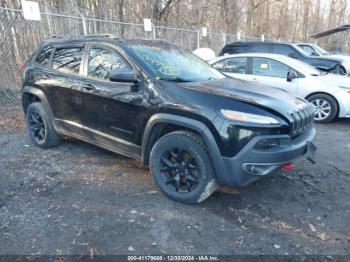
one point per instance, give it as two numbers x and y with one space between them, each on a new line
335 80
271 98
345 59
322 62
340 57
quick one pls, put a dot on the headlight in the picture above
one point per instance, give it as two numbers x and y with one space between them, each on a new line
249 118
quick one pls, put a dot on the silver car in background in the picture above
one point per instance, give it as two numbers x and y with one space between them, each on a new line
329 93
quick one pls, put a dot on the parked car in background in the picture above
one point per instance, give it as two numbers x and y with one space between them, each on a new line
331 65
329 93
315 50
204 53
162 105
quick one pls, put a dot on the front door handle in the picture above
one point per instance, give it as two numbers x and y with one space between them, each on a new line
89 87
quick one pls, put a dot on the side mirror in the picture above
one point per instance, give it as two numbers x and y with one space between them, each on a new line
291 76
123 75
314 54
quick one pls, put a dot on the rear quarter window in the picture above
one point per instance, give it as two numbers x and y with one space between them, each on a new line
44 55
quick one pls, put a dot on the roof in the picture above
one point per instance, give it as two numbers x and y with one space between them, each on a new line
267 55
259 43
331 31
105 37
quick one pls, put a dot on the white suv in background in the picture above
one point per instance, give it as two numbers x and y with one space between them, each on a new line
329 93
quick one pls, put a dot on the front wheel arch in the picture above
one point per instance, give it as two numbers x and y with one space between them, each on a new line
184 123
324 93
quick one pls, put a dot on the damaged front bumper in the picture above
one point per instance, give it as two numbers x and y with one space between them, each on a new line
266 154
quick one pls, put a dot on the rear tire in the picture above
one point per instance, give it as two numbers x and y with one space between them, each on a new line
182 168
40 127
326 108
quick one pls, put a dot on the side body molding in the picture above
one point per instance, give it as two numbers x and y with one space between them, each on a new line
189 123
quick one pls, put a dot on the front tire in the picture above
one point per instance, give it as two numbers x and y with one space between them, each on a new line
40 127
326 108
182 168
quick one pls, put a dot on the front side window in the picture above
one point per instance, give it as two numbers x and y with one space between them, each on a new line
170 63
308 50
232 65
67 60
44 55
268 67
103 61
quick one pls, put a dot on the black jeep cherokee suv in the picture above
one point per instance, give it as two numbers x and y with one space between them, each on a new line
157 103
331 65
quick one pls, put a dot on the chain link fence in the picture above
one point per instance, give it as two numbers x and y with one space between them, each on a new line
19 37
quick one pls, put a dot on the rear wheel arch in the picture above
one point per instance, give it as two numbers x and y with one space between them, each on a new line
162 124
32 94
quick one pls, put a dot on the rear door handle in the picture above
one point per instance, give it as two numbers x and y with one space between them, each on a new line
89 87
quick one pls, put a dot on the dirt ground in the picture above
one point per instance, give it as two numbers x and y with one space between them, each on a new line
78 199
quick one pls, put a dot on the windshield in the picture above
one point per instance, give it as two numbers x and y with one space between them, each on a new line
167 62
320 50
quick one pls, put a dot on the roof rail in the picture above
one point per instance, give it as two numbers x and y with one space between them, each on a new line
56 36
98 35
83 36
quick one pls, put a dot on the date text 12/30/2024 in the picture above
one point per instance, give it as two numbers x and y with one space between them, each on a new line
173 258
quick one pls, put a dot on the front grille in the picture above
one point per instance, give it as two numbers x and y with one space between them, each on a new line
301 120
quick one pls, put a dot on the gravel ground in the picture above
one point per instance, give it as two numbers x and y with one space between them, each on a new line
78 199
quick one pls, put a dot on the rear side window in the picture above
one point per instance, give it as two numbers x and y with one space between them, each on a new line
261 48
44 55
232 65
67 60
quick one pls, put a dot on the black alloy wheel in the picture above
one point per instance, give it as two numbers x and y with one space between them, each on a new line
36 127
182 168
179 170
40 126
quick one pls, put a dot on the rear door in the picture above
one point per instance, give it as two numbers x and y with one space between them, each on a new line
61 86
270 72
233 66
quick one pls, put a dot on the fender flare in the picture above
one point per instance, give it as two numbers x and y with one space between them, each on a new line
195 125
39 93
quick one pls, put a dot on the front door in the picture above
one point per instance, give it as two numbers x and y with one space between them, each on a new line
266 71
112 110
